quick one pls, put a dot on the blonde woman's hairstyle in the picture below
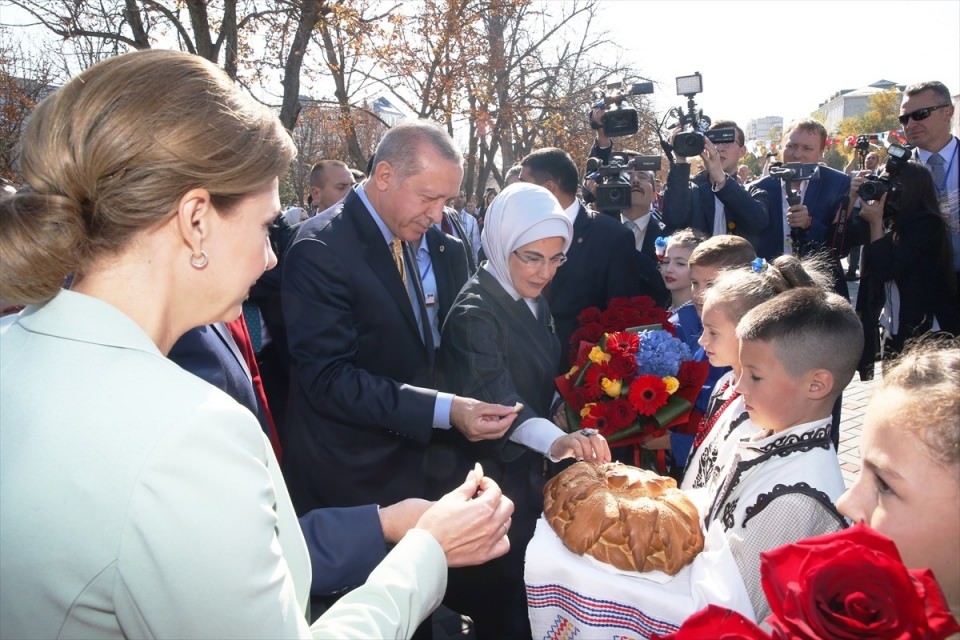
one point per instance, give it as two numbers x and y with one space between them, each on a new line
928 372
110 154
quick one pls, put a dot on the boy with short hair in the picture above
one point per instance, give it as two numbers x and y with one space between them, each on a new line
797 353
712 255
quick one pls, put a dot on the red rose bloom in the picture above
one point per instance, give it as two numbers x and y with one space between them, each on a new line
642 302
588 316
618 302
620 414
592 332
623 367
716 623
851 584
647 394
622 343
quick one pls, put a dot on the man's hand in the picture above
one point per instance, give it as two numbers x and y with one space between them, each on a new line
579 445
471 530
399 518
678 159
480 420
798 217
857 179
711 160
596 116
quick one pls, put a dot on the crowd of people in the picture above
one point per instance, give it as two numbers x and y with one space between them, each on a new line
325 421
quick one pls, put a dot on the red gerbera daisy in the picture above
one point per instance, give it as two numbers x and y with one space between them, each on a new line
597 419
592 380
647 394
622 342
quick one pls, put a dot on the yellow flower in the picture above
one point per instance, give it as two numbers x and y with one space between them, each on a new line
611 387
573 371
586 409
672 384
597 355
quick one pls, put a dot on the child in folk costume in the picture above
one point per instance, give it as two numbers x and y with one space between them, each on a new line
798 351
909 485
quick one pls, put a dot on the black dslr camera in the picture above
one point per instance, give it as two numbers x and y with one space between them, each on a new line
696 125
613 182
875 186
622 121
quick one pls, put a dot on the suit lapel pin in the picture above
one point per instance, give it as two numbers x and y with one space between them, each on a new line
442 248
580 240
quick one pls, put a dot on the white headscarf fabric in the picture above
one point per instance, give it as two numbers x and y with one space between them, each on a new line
520 214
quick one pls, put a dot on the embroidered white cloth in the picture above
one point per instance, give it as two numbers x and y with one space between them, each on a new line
572 596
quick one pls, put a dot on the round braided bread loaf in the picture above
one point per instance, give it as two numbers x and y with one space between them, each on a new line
624 516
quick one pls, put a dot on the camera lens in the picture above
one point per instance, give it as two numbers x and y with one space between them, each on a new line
872 190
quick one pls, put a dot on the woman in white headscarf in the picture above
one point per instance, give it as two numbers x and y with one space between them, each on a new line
499 345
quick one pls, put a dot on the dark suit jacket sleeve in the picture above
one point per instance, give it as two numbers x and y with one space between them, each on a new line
601 153
747 210
836 187
323 337
631 273
680 201
345 545
912 258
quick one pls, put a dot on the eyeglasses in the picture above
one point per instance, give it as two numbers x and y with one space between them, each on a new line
920 114
537 261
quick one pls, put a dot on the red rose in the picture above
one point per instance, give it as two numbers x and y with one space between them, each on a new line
588 316
620 414
642 302
622 342
592 332
613 319
647 394
716 623
850 584
623 367
618 302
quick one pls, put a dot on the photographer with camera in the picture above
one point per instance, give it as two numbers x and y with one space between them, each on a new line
862 164
625 189
820 195
714 202
908 285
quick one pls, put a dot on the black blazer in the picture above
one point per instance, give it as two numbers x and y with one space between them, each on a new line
911 256
362 387
602 263
691 203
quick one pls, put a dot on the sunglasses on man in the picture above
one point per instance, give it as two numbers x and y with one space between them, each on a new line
920 114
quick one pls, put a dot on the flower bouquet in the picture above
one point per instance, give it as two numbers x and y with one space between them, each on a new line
849 584
629 382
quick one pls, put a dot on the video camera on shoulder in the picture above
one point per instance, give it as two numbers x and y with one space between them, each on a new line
622 121
613 179
696 125
874 187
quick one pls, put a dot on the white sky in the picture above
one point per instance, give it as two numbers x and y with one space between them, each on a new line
774 57
782 57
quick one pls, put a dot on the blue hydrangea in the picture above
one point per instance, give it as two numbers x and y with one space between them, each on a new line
660 353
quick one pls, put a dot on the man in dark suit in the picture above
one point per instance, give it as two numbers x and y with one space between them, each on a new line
602 263
362 403
808 227
714 201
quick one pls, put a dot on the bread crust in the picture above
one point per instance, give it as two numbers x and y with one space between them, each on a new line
630 518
